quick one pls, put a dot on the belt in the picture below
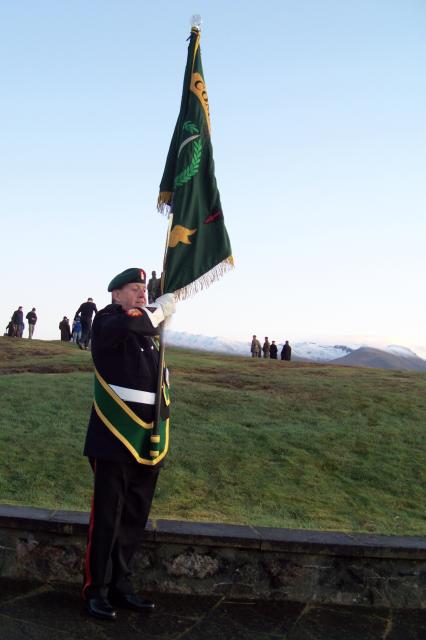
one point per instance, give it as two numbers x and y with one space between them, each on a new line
134 395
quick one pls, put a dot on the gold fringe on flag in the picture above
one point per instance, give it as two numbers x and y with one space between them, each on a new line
205 280
164 201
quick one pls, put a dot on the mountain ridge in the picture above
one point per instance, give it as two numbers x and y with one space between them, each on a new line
390 357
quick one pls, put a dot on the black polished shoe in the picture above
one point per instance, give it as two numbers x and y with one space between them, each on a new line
100 608
131 601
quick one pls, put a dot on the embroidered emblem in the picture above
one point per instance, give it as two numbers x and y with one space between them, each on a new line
216 215
192 169
134 313
180 234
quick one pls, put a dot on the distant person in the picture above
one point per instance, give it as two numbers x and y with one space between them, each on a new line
64 327
266 347
154 287
286 352
76 329
9 330
86 311
17 322
255 348
273 351
32 319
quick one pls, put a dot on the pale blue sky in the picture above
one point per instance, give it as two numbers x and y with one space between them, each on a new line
319 137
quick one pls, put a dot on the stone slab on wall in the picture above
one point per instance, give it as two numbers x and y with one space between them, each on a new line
239 561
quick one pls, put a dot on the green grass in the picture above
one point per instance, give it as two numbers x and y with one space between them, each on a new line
253 441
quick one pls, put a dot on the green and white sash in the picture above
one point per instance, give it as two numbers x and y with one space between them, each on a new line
132 431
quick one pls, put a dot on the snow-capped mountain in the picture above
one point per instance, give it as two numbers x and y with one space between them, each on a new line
319 352
403 352
382 359
311 351
207 343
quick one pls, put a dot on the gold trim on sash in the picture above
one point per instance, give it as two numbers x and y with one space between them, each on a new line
123 405
158 456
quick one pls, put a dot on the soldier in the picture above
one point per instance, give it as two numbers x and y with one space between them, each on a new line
255 348
266 347
286 352
273 351
154 287
124 455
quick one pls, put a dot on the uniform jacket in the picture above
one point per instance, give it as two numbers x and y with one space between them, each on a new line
255 346
266 347
125 355
273 350
286 352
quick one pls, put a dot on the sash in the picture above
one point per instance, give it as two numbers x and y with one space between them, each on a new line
132 431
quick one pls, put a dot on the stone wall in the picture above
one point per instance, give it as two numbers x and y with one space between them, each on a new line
246 562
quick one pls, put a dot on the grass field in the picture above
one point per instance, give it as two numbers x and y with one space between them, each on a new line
253 441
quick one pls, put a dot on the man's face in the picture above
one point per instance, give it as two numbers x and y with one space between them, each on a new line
131 295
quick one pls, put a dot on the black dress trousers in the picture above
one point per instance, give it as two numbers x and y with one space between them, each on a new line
121 502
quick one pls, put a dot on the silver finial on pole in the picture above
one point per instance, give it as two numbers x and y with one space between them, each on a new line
196 21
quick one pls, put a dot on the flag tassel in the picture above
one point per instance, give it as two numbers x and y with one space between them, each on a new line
204 281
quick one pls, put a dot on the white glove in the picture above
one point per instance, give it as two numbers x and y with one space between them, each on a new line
167 304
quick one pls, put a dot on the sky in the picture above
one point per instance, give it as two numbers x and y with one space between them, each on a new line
319 140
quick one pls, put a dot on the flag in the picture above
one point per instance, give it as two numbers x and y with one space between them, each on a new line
198 250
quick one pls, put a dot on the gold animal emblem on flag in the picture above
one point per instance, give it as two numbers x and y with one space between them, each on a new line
180 234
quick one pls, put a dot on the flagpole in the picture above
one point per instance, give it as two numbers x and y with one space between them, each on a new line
159 391
158 395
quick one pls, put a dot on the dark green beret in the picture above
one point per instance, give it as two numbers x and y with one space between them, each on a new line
127 276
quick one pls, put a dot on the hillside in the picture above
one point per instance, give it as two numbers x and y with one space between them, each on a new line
378 359
253 441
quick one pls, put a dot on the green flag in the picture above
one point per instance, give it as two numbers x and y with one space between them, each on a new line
198 250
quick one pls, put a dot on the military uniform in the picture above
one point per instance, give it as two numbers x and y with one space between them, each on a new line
266 348
255 348
126 361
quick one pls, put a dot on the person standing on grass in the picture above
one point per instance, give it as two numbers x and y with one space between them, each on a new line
85 311
65 329
154 287
255 348
273 351
286 352
266 347
32 319
76 330
124 455
17 322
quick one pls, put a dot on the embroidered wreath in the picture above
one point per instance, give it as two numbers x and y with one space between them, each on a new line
192 169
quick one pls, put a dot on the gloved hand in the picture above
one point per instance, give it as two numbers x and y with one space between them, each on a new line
167 304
